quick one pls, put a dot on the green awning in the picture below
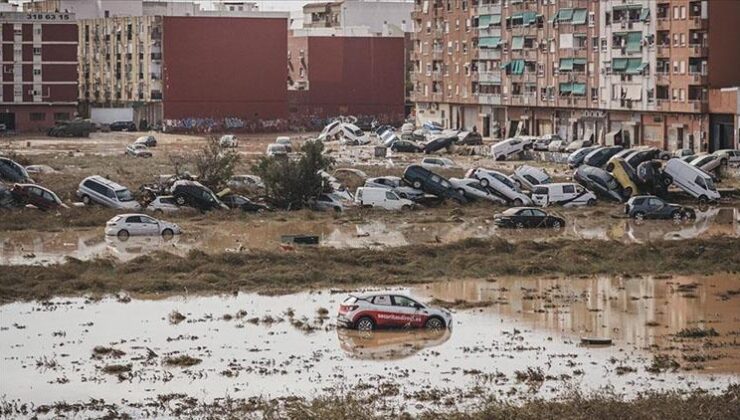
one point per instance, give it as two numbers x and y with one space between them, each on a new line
627 6
484 21
517 43
579 16
619 64
566 88
634 41
645 14
515 67
489 41
580 61
528 17
495 19
564 15
634 66
578 89
566 64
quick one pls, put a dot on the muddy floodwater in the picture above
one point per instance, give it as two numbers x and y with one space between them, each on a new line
668 333
54 247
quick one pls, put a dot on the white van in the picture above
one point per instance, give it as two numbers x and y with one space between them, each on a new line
567 194
381 197
692 180
503 150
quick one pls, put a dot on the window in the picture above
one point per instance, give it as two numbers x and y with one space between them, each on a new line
404 301
61 116
383 300
37 116
389 195
568 189
133 219
654 202
36 51
37 72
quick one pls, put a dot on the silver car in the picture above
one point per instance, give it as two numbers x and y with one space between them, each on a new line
96 189
133 224
395 184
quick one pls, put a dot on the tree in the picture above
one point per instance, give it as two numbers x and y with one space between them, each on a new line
213 164
291 184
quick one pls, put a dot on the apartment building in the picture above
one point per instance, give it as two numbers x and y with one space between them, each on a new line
376 15
94 9
170 68
626 72
39 69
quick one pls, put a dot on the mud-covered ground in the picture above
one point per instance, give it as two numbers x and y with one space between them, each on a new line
94 326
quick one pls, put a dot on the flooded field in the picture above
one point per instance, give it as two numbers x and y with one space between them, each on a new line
522 338
37 248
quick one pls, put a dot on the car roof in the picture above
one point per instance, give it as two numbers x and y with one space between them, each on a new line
133 214
368 295
105 181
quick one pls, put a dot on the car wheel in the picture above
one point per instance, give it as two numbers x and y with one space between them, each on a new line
676 216
405 207
667 180
365 324
591 202
434 323
337 209
461 191
500 158
609 167
519 225
518 202
180 201
640 216
703 199
123 234
556 224
86 200
168 233
484 182
158 211
417 185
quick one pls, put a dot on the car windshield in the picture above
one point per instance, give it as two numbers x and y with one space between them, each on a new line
510 212
124 195
350 300
357 132
710 184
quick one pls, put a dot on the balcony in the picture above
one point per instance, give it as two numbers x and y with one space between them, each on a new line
489 53
489 99
698 23
663 24
699 50
662 78
489 31
698 106
523 99
664 50
488 77
489 9
698 78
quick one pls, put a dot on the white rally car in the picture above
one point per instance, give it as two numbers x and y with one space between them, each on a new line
390 310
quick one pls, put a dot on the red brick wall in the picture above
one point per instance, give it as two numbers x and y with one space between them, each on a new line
724 48
356 75
59 72
224 67
56 52
23 116
59 33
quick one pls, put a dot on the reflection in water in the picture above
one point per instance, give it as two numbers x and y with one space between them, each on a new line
389 345
53 247
249 346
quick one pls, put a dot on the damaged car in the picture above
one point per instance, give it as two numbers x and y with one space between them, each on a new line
501 185
625 175
138 150
506 149
102 191
473 190
196 195
576 158
599 181
529 176
405 146
651 207
652 177
37 196
527 217
240 202
439 143
12 171
423 179
368 312
396 185
566 194
600 156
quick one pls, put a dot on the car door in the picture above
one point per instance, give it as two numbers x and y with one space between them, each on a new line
149 226
34 195
409 312
133 225
391 201
539 218
656 208
382 311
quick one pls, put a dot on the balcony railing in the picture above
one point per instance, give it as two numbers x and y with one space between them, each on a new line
489 98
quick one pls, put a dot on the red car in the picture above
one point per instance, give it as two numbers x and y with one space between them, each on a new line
36 195
390 310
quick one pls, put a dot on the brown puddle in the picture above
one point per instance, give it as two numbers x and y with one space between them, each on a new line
232 236
251 345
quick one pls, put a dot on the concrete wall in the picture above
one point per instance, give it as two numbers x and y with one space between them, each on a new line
111 115
355 75
225 67
375 14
